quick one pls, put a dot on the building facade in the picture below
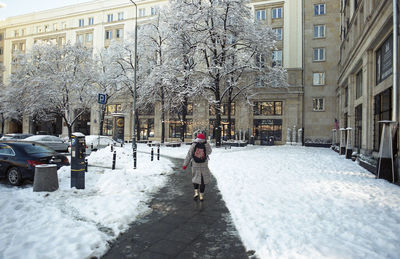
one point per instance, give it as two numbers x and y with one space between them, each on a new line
365 82
307 47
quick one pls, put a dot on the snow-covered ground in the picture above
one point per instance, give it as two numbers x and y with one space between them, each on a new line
71 223
285 201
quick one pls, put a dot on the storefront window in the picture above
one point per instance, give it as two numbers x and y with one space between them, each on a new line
175 128
382 111
358 126
263 129
107 127
224 126
146 128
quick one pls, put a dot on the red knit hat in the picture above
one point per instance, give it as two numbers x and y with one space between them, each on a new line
201 136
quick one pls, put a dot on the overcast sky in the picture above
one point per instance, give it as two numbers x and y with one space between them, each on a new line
16 7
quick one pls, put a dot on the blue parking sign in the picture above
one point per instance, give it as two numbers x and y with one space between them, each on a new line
102 99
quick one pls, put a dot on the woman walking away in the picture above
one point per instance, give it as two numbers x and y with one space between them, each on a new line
198 155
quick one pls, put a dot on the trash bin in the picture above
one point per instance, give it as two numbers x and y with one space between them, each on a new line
270 141
46 178
252 140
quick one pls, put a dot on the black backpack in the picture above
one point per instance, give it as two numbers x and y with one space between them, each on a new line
199 153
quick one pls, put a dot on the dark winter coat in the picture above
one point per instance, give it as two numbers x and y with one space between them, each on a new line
199 169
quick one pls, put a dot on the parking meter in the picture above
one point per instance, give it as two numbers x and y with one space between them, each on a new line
78 165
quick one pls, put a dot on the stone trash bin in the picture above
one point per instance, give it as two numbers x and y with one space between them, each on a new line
46 178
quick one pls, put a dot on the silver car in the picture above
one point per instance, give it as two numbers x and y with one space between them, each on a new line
51 141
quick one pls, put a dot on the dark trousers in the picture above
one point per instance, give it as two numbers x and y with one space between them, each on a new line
202 185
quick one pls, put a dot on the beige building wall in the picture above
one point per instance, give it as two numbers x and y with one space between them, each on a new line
319 118
63 25
365 29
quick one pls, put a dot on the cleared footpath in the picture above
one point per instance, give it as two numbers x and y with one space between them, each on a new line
179 227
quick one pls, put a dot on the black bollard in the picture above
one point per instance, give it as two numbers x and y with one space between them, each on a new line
86 164
112 148
114 158
152 154
158 153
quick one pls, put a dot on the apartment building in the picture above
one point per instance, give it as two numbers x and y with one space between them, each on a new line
365 82
307 47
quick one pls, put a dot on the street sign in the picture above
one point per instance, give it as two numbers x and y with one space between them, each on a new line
102 99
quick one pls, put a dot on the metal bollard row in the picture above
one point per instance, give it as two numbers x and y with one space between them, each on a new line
114 158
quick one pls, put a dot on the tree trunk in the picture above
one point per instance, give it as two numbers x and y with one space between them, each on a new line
217 113
137 126
184 113
102 115
162 116
2 123
229 113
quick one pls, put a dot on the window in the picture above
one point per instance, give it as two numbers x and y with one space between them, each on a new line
346 97
108 35
175 128
265 128
359 84
319 9
16 34
268 108
261 15
120 16
260 60
382 111
113 108
118 33
278 33
384 60
64 25
154 10
1 36
6 150
55 26
142 12
318 104
319 31
224 109
146 128
224 128
276 13
81 22
319 78
319 54
277 58
79 38
358 126
89 37
91 21
110 17
1 51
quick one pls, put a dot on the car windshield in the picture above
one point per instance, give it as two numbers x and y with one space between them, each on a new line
35 149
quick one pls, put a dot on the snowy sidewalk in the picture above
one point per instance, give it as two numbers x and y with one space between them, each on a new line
179 227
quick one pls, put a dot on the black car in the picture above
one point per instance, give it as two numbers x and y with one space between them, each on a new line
18 160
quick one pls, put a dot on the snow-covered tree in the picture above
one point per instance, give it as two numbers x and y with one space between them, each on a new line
51 81
108 77
151 50
230 43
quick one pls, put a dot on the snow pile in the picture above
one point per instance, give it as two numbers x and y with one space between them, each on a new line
71 223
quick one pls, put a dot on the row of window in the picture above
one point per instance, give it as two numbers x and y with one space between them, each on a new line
114 34
261 15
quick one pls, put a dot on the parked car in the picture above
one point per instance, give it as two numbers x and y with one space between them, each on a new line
94 142
12 136
19 158
53 142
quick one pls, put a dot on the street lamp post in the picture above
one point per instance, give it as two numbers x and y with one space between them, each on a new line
134 145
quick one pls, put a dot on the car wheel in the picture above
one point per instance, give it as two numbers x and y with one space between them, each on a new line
14 176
